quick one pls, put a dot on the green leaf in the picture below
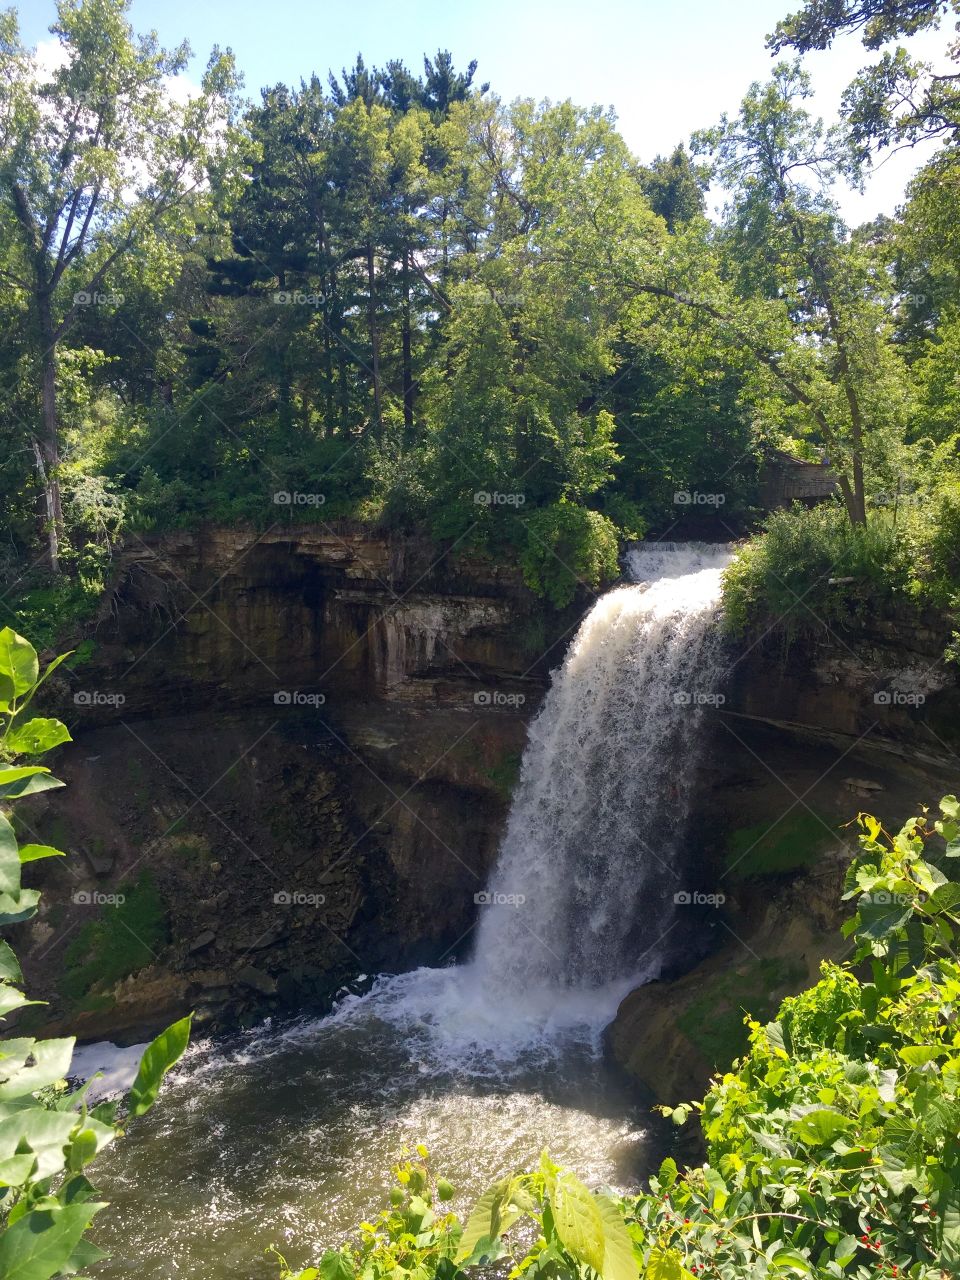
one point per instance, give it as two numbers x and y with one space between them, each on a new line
85 1255
492 1215
9 859
619 1260
38 1245
665 1264
16 1170
667 1174
46 1134
37 736
821 1127
9 964
34 852
11 998
19 668
950 807
336 1266
31 786
50 1062
17 907
576 1216
879 919
157 1060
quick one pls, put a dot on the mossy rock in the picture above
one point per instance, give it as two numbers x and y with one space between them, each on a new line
792 842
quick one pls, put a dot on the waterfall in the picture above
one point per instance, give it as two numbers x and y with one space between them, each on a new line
581 905
583 891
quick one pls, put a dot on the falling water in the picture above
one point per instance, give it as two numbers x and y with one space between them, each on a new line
597 821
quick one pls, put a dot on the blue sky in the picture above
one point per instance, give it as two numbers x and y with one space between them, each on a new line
666 66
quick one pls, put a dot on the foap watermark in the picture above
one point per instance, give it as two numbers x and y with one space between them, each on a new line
488 498
94 298
884 898
487 898
296 698
694 498
293 498
695 898
94 898
698 698
97 698
898 698
496 698
296 298
298 898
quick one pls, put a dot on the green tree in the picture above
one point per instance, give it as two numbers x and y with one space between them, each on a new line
98 156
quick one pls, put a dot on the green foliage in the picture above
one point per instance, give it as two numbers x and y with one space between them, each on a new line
832 1147
783 577
568 546
48 1135
124 939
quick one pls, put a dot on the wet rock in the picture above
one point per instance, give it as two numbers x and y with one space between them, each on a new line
249 976
202 940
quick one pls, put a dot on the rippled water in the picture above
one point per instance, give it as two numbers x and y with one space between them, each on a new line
287 1136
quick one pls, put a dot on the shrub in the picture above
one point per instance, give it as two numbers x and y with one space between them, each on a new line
783 577
567 546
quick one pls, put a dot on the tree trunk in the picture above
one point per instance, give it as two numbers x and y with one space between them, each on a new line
374 336
406 354
47 450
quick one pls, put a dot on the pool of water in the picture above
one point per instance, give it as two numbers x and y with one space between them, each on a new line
286 1135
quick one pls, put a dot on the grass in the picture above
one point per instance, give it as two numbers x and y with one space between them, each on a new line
794 841
122 940
714 1023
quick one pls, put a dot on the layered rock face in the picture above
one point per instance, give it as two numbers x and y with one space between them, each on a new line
293 757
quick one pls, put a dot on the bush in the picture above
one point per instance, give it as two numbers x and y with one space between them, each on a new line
783 577
567 546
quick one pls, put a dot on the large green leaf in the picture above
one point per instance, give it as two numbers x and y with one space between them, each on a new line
34 852
9 964
578 1221
39 1244
879 919
46 1133
157 1060
39 780
335 1265
821 1127
15 908
619 1259
37 736
492 1215
15 1170
50 1061
9 859
19 668
11 998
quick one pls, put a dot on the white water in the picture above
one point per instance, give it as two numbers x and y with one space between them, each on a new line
284 1134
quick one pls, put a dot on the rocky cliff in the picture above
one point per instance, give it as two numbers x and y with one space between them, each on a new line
293 756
